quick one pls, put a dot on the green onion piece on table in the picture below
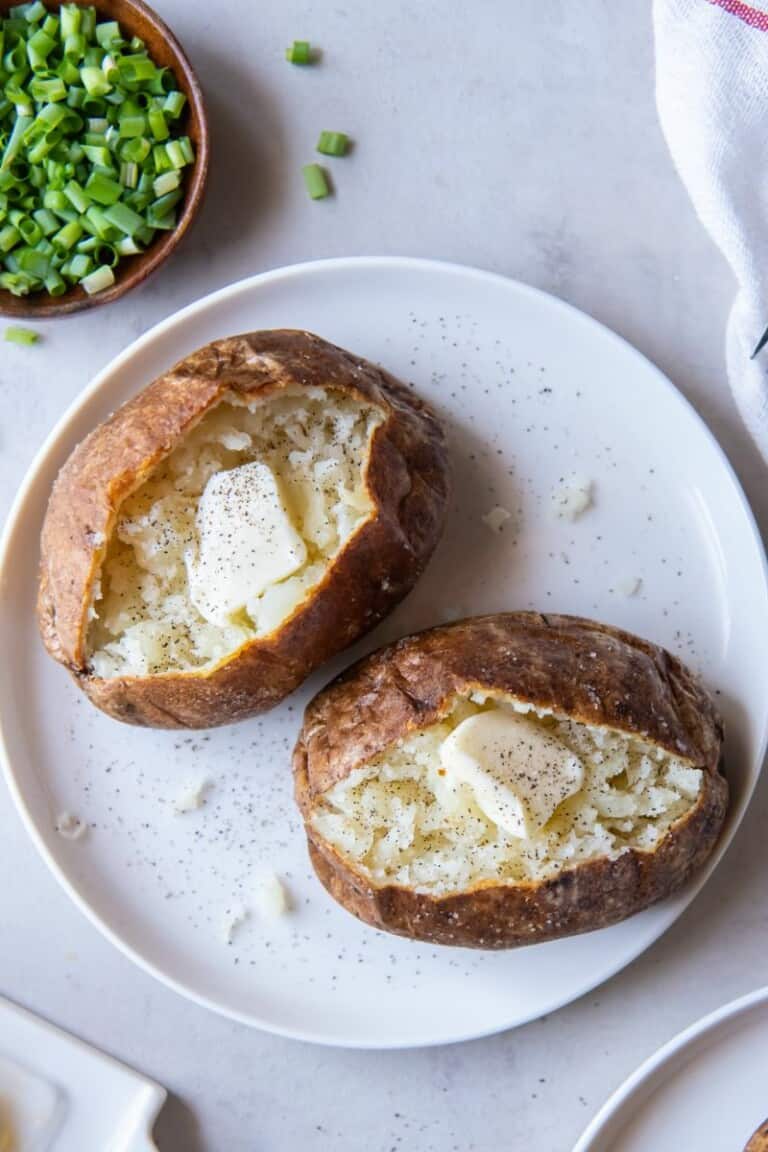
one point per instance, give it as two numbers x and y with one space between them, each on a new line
333 143
21 336
299 52
316 181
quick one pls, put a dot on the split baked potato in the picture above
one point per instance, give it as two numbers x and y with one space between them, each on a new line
759 1140
509 779
246 516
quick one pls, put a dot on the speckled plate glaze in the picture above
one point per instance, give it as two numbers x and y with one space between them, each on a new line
532 391
705 1089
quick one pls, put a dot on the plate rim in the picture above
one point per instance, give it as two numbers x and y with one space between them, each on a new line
654 1063
296 271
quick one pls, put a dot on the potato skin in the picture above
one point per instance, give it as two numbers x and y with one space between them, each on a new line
590 672
407 478
759 1140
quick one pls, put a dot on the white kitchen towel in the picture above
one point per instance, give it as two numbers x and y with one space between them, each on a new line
712 96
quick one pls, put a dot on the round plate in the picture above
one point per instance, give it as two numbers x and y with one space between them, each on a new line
706 1089
531 391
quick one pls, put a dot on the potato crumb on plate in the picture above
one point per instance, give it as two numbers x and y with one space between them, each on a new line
271 897
572 497
629 585
192 797
69 827
496 518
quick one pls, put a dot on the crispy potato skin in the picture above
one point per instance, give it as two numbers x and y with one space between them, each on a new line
759 1141
407 477
589 672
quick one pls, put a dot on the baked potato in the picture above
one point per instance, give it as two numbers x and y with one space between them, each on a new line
246 516
759 1140
509 779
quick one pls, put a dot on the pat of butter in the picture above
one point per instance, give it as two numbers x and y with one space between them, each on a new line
245 541
519 773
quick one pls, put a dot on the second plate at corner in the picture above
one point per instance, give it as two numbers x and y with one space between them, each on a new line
532 391
704 1090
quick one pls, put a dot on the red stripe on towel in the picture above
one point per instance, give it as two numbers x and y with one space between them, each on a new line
751 16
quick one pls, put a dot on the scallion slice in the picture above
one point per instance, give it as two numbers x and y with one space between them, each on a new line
300 52
96 281
316 181
333 143
21 336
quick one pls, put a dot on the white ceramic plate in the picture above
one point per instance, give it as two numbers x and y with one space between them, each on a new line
58 1093
705 1090
531 391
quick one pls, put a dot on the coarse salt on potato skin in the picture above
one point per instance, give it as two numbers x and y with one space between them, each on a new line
406 478
592 674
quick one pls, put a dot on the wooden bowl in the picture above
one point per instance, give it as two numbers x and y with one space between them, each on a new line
137 19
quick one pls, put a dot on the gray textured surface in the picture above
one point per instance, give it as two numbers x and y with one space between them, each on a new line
520 138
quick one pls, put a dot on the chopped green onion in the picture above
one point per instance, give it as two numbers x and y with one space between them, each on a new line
124 218
92 158
71 15
67 236
77 197
93 221
21 336
49 88
39 48
28 229
33 13
96 281
174 104
98 154
95 82
316 181
299 52
46 221
9 236
108 34
12 148
127 246
136 150
132 126
175 153
88 23
129 174
333 143
79 266
166 182
106 253
54 285
158 125
35 263
103 189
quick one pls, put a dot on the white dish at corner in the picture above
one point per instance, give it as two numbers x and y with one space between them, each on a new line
58 1093
532 391
706 1089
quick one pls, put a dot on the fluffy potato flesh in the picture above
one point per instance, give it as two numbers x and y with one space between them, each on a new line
149 613
403 819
